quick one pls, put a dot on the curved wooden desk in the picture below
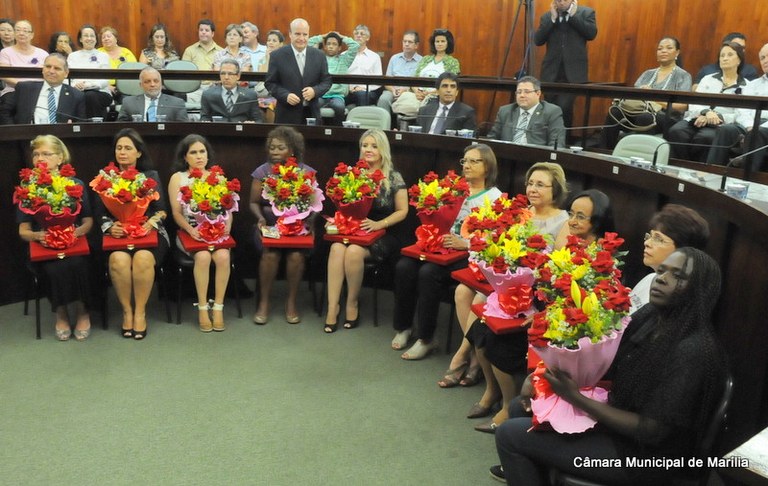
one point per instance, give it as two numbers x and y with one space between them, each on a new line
739 238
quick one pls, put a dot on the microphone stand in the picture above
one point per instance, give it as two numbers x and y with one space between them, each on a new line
746 168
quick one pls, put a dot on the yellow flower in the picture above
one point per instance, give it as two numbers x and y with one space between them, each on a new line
575 293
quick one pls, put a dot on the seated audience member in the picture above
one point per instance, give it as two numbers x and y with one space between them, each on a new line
729 134
671 228
748 71
267 103
701 123
401 64
117 54
21 54
367 63
159 51
529 120
338 63
251 44
6 33
202 53
229 100
97 95
669 76
153 102
445 112
24 104
233 39
62 43
666 382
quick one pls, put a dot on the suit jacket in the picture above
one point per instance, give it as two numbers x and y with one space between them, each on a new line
170 106
19 105
284 78
545 126
246 107
566 45
460 116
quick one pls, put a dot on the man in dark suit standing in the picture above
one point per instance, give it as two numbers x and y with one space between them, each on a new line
229 101
153 102
445 113
565 29
297 77
529 120
47 101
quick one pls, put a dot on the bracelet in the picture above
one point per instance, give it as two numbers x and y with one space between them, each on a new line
386 224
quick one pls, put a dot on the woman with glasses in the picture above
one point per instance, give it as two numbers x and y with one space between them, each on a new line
21 54
423 284
673 227
233 36
702 121
590 216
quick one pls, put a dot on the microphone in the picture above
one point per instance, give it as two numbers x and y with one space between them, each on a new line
747 168
64 114
686 144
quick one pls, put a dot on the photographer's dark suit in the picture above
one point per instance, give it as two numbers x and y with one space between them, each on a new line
545 127
246 108
284 78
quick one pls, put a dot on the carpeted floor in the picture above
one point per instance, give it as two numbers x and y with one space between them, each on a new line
278 404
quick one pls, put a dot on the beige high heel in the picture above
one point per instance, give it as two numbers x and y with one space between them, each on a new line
205 325
218 326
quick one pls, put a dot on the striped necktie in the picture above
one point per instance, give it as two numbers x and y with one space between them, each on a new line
440 123
522 125
51 106
152 111
230 103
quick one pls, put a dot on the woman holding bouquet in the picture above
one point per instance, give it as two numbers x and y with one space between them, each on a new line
67 278
194 152
389 208
666 383
133 271
424 283
282 143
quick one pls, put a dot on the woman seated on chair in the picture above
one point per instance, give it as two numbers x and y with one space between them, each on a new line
669 76
667 380
97 94
282 143
546 189
133 271
67 279
425 283
194 152
159 51
345 262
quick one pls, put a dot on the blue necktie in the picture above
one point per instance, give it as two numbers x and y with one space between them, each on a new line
152 111
230 102
440 123
51 106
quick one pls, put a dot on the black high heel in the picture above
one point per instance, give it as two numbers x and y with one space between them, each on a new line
352 324
330 328
139 335
127 333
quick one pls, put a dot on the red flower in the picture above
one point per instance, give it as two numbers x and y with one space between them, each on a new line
124 195
533 260
377 176
111 168
545 274
234 185
603 262
212 179
204 206
365 190
271 182
44 179
536 332
284 193
618 299
563 284
431 176
217 170
195 173
500 265
341 169
477 243
338 194
102 185
20 194
67 170
574 317
25 174
38 201
130 173
226 201
610 242
537 241
276 169
75 191
430 201
305 190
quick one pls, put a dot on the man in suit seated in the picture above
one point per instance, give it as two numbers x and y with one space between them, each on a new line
297 77
47 101
445 113
153 102
541 123
229 101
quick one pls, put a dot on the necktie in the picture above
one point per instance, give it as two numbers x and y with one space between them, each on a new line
522 124
152 111
51 106
230 103
300 61
440 122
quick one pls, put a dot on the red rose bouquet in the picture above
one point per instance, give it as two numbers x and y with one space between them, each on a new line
437 202
294 194
352 190
210 199
53 199
126 194
580 329
507 248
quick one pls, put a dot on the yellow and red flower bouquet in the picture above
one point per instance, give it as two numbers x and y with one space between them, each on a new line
294 194
580 329
352 190
437 202
53 200
126 194
211 200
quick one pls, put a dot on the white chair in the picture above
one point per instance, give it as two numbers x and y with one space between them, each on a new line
370 117
131 87
639 145
183 85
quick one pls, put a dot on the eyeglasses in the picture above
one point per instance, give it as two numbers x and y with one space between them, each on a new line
227 73
23 31
580 217
537 185
526 91
470 161
656 238
37 155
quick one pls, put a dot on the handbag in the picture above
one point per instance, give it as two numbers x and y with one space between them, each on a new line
634 115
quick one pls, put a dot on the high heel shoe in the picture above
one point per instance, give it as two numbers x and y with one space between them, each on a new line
139 335
453 377
63 334
218 326
127 333
82 334
473 376
330 328
204 326
351 324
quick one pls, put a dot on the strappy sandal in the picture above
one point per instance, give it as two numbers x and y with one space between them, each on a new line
218 326
473 376
204 326
453 376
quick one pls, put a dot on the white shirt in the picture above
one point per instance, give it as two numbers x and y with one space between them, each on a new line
641 293
437 115
757 87
368 63
41 108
